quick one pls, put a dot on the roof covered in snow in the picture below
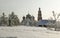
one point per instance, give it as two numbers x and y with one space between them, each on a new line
45 22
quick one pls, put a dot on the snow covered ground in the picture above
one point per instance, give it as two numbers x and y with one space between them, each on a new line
28 32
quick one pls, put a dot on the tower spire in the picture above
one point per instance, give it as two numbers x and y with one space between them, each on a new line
39 9
39 14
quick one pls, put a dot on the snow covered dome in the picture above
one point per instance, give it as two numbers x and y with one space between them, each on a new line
28 16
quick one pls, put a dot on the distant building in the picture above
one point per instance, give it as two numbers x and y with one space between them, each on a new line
28 20
42 22
46 23
39 14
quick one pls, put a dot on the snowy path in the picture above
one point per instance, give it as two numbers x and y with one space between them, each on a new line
28 32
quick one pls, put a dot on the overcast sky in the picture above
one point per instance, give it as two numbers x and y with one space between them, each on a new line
21 7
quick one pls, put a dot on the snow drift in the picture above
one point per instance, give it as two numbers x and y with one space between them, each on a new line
28 32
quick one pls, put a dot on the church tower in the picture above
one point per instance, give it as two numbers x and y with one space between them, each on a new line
39 15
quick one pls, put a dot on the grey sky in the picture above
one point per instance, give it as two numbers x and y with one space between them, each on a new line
21 7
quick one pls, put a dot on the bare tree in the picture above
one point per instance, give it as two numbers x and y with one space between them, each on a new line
56 18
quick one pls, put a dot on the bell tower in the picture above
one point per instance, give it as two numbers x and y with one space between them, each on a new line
39 14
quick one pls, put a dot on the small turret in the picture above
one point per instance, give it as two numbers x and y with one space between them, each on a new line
23 17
